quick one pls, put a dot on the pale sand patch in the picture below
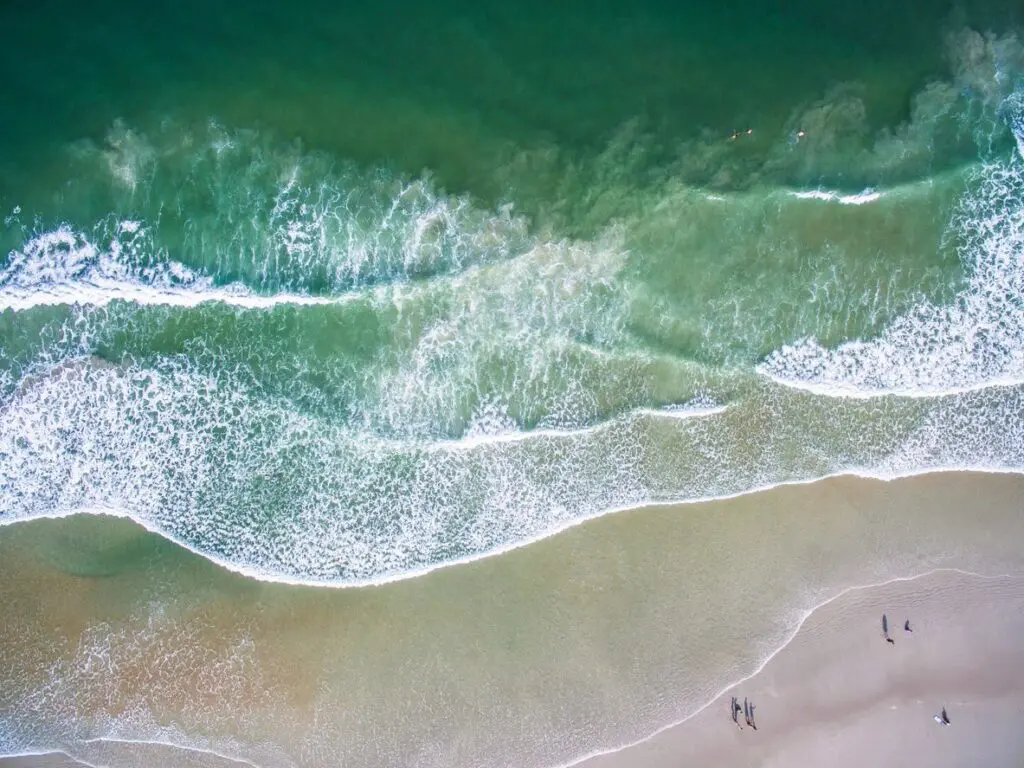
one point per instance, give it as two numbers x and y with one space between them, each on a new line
116 754
42 760
839 695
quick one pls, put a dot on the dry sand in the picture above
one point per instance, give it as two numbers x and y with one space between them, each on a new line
839 695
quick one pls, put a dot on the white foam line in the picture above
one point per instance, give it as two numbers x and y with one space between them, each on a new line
760 668
390 578
683 413
45 752
867 196
471 441
102 293
163 743
850 392
475 441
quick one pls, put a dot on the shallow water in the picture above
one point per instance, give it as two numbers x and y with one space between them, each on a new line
584 641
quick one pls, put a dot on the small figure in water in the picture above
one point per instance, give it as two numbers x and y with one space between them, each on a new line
906 626
945 717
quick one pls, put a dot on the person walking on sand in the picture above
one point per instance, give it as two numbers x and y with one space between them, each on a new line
906 626
734 707
885 629
945 717
746 711
753 724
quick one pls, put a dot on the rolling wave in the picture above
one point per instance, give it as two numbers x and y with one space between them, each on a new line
259 486
61 267
319 375
974 342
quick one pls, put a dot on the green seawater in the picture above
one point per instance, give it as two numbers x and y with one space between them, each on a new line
338 294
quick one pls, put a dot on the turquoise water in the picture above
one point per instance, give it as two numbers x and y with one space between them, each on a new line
337 296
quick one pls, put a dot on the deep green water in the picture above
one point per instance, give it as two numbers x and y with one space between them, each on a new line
337 295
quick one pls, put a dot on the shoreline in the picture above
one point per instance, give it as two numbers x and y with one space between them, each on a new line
795 671
821 624
595 637
250 573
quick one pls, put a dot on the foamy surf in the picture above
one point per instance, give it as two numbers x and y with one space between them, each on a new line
976 341
62 267
501 383
861 198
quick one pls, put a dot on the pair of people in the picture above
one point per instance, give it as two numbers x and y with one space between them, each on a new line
885 628
748 712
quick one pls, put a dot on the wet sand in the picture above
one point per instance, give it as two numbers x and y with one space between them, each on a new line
840 695
585 641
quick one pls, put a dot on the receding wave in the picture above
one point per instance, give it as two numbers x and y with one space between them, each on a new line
973 342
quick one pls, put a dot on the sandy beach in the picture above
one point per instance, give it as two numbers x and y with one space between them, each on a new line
839 695
587 641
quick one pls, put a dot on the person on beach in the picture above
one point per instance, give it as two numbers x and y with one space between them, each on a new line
735 707
885 629
746 711
945 717
906 626
752 723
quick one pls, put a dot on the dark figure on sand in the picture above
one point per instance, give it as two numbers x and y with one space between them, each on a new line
734 707
885 629
746 712
752 723
945 717
906 626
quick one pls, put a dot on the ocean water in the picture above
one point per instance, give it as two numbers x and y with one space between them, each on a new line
336 296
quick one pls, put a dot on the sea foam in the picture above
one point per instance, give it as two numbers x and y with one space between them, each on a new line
973 342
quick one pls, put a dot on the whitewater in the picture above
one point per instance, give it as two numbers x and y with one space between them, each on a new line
367 379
